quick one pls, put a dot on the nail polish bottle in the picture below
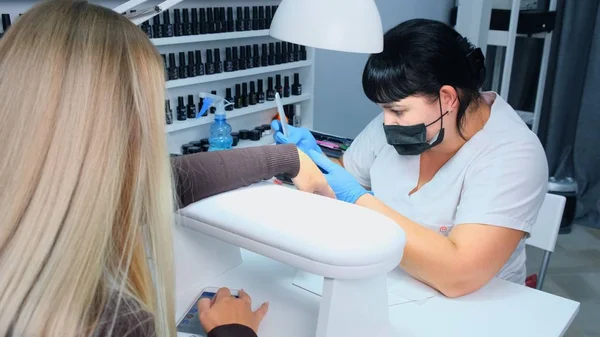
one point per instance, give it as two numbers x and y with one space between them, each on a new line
210 21
223 20
200 104
230 21
187 26
167 27
209 66
270 91
261 93
6 23
239 20
238 102
195 24
157 28
274 10
236 59
247 19
213 109
181 110
284 53
269 17
229 99
290 114
218 63
261 17
256 56
245 94
177 26
191 107
264 57
297 52
192 69
290 48
165 68
255 23
183 69
278 53
272 57
203 24
218 21
242 58
278 86
168 112
253 95
173 70
228 67
199 64
286 86
303 53
146 28
249 59
296 87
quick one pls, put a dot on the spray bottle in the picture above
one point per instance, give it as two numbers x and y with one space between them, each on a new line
220 131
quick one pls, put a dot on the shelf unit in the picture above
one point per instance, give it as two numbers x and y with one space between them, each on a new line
167 41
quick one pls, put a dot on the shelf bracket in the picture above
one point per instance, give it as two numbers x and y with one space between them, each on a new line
147 14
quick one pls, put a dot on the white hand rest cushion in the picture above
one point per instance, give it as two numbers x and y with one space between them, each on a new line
320 235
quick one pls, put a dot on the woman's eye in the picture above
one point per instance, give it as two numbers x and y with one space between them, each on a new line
398 112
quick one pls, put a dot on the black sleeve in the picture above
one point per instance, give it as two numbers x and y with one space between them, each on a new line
232 330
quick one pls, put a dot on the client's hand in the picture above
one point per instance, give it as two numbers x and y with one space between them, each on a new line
310 179
226 309
344 185
299 136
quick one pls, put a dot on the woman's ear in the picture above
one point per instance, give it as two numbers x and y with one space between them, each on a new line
449 98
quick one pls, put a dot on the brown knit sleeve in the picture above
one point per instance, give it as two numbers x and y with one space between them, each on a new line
201 175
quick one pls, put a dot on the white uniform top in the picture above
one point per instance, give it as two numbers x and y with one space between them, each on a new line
499 177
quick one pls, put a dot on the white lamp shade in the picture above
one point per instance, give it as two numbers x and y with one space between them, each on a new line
342 25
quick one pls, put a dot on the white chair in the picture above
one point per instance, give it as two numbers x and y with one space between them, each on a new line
545 230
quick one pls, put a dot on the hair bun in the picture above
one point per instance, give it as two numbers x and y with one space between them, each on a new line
475 59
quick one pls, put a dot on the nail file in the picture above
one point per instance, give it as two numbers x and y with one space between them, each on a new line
281 112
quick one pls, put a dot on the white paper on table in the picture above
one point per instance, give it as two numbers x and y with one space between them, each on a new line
402 288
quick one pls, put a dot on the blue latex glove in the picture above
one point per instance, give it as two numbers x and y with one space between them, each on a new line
302 137
343 184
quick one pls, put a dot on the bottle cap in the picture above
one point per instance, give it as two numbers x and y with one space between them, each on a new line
198 57
180 101
203 141
238 89
284 48
270 81
255 12
278 80
228 93
166 17
242 52
235 53
191 60
252 87
177 16
172 60
255 135
261 12
217 55
186 15
202 15
260 85
196 143
271 48
264 49
278 47
205 147
191 100
209 56
185 148
286 81
296 78
194 149
6 21
238 12
249 51
244 134
268 13
181 59
235 134
228 54
244 88
236 140
229 14
210 15
194 15
266 126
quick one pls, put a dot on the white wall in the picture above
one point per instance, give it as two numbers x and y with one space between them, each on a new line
341 107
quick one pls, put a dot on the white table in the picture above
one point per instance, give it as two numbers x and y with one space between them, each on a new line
499 309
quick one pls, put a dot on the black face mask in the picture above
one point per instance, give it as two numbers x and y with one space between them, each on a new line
411 140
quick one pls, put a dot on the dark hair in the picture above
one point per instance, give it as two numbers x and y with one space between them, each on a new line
419 57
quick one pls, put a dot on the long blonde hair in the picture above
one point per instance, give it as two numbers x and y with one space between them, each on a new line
85 187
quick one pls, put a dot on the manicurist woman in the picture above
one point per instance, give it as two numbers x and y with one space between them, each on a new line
455 167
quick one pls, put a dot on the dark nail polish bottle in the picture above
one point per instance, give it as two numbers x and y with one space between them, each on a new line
168 27
286 86
183 69
187 26
296 87
284 53
245 94
278 86
272 57
297 52
209 66
200 103
199 64
177 26
145 27
218 63
236 59
264 57
203 24
191 107
239 103
274 10
228 61
270 91
210 21
253 95
181 110
229 99
242 58
261 93
278 53
213 109
269 17
230 21
290 48
247 19
303 53
256 56
255 21
223 20
157 28
173 70
192 68
239 20
168 112
249 59
195 23
166 69
6 23
218 22
261 17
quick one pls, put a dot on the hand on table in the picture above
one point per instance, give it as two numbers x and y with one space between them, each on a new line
225 309
310 179
302 137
